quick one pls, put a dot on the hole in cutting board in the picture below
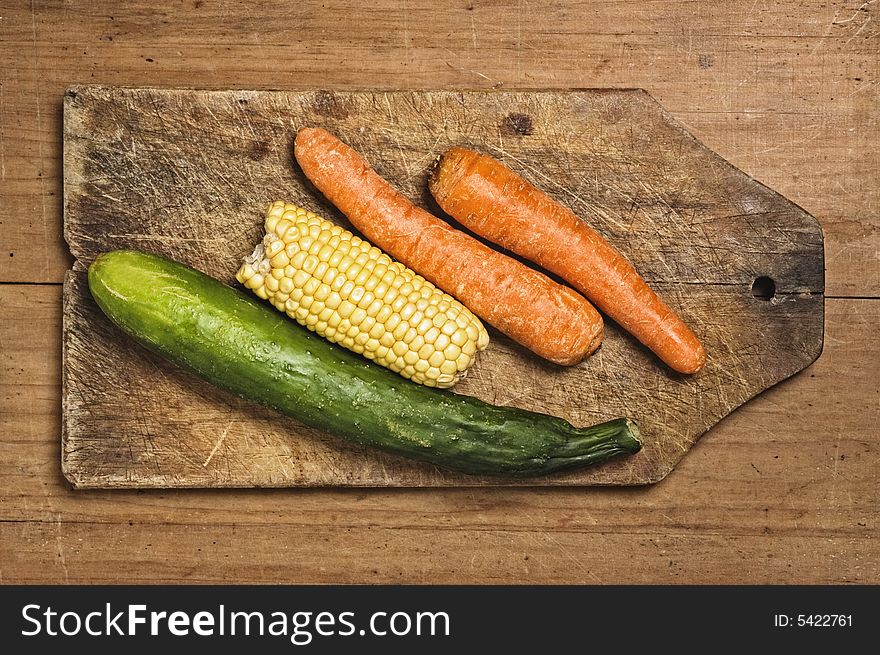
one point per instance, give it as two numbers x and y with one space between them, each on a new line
764 288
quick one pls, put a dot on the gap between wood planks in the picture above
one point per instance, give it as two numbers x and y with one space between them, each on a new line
58 284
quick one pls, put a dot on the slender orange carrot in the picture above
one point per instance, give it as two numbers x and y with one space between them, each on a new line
550 319
487 197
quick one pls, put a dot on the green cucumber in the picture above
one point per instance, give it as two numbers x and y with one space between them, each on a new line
248 348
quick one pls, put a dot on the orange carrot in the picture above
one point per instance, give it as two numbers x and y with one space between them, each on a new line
550 319
487 197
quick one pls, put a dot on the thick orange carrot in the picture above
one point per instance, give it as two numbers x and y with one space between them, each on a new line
548 318
496 203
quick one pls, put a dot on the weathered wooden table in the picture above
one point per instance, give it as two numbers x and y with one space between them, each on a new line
784 490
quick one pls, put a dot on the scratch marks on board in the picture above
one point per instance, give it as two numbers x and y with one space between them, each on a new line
218 444
654 191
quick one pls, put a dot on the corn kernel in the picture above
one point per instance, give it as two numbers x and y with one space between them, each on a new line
431 333
347 288
280 260
353 271
472 332
346 262
298 260
273 247
357 316
384 312
483 340
300 278
311 286
255 282
309 264
337 283
362 277
401 329
293 235
441 342
375 306
398 303
452 351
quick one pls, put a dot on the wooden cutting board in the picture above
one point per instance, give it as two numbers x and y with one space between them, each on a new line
187 174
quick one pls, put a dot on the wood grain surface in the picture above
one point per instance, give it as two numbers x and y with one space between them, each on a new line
187 174
784 490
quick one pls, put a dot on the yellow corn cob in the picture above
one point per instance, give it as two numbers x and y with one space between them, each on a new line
353 294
